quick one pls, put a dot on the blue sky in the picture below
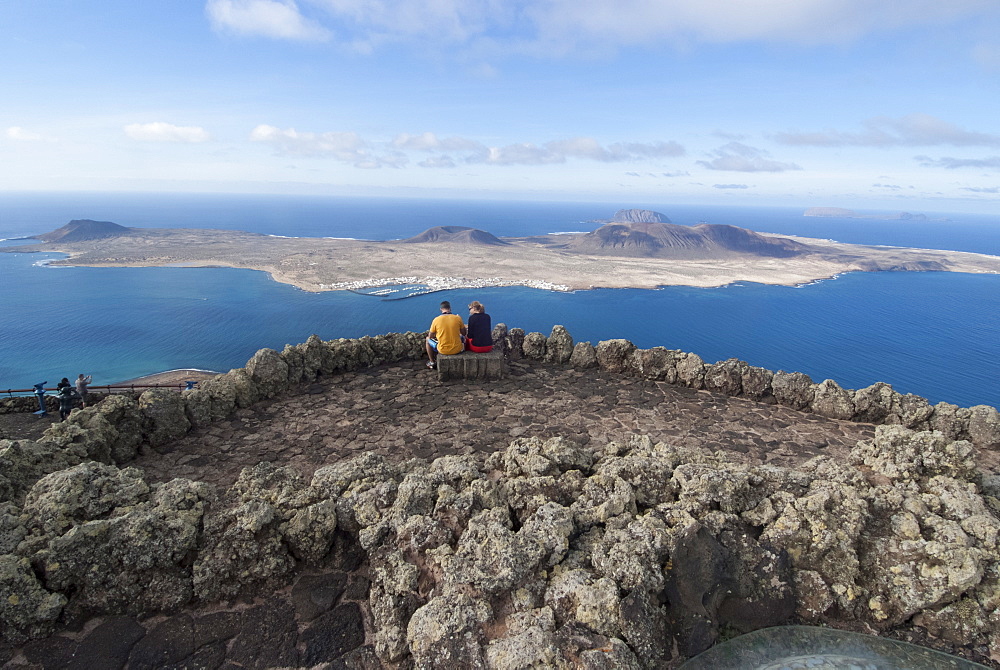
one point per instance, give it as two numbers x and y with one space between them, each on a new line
850 103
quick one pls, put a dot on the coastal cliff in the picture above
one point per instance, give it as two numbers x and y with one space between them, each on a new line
550 550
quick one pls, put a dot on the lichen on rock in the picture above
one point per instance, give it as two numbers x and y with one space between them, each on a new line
535 346
901 453
832 401
559 346
447 633
615 355
163 415
627 553
584 356
27 610
793 389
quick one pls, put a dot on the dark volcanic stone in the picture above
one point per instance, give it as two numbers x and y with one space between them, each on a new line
761 593
215 627
357 588
169 642
50 653
108 645
206 658
267 638
346 554
333 634
362 658
696 584
573 637
314 594
644 627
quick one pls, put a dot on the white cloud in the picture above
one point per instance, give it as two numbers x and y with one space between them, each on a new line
660 175
437 162
730 186
526 153
391 160
587 147
801 21
165 132
737 157
448 19
19 134
347 147
953 163
431 142
279 19
448 151
911 130
579 147
639 150
559 26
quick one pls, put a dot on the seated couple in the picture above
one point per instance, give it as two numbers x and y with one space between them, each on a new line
449 336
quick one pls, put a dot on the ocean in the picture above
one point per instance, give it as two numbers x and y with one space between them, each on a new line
932 334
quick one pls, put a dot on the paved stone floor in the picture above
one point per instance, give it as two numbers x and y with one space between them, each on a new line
317 622
402 410
25 425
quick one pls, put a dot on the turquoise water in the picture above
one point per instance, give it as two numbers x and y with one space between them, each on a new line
932 334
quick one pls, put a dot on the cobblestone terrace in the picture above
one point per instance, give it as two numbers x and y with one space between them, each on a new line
402 410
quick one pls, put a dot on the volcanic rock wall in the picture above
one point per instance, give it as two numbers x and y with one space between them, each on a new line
545 554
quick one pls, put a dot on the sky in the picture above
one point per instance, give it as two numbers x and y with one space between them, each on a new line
846 103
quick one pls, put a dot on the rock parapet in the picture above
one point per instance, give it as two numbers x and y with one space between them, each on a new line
631 553
543 554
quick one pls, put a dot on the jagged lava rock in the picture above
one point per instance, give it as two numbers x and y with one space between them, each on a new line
543 553
559 346
534 346
584 356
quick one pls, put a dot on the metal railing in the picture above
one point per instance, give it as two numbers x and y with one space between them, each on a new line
109 388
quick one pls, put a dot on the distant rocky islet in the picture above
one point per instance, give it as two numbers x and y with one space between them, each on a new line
841 213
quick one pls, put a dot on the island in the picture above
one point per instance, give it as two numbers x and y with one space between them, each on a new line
634 249
841 213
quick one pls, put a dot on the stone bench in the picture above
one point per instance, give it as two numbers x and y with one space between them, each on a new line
469 365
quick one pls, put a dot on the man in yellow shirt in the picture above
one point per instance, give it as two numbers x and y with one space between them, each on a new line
446 336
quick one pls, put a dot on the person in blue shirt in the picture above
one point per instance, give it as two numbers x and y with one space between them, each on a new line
480 329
